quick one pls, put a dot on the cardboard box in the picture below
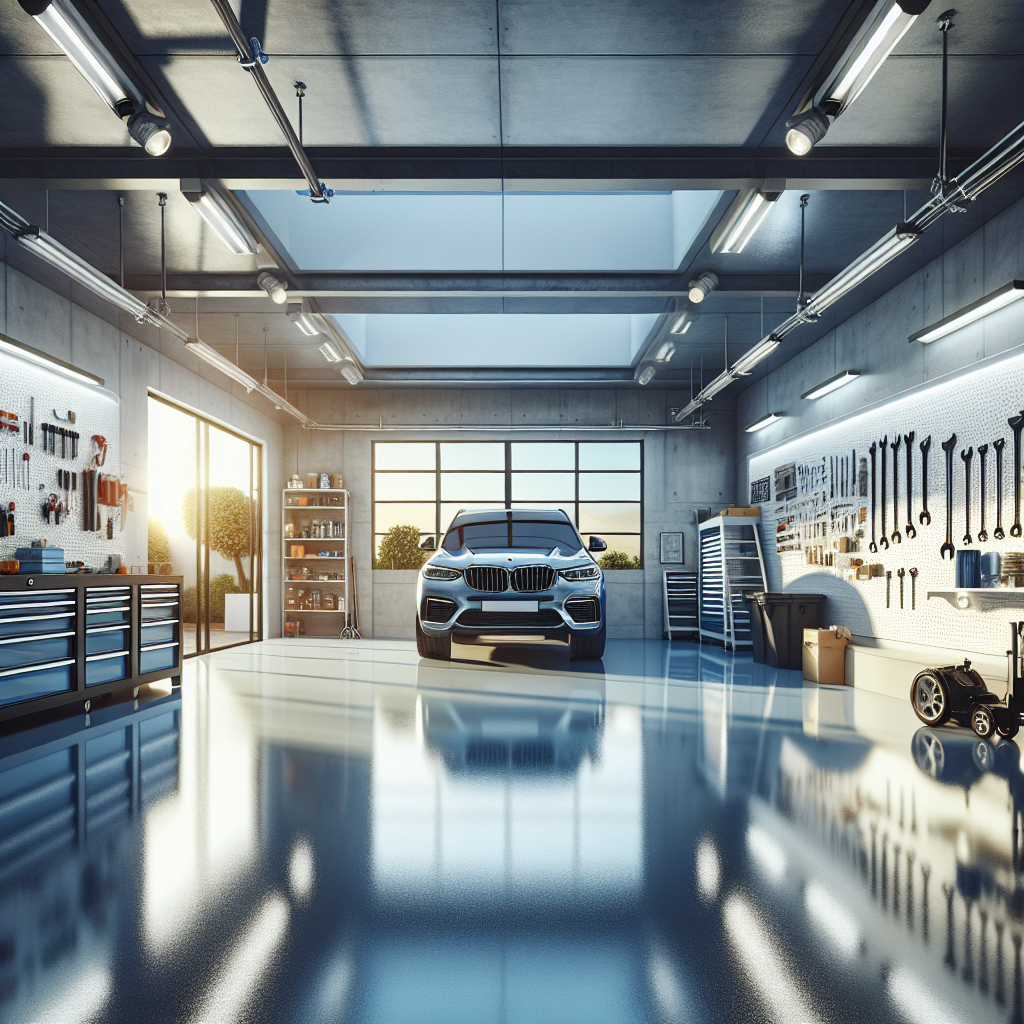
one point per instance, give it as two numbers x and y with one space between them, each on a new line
296 550
824 657
740 512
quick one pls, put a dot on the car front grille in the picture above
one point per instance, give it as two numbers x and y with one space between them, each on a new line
546 618
531 579
525 754
490 578
584 609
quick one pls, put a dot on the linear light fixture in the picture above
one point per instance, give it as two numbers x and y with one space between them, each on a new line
330 353
745 215
351 373
968 314
67 27
883 28
702 286
762 350
646 375
682 323
222 218
299 315
765 421
32 355
830 385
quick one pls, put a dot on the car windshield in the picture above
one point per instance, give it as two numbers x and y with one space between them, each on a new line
515 533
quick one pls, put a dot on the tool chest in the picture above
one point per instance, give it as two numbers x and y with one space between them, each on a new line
71 638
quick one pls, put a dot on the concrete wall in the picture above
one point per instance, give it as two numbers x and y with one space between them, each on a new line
133 360
684 470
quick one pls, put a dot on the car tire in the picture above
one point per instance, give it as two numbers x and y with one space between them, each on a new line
438 647
929 698
585 648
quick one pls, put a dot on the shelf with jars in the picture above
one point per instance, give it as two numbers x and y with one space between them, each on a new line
314 528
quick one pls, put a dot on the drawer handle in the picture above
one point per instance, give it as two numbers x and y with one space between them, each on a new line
158 604
106 629
89 601
37 668
106 657
146 623
34 606
158 647
40 618
32 637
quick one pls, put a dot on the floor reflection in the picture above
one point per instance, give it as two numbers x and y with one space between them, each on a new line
329 831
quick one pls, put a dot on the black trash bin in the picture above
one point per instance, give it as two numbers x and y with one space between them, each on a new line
783 619
757 638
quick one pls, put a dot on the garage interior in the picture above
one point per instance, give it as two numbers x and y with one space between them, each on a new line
288 288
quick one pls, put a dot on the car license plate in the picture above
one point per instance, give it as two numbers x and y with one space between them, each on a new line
509 606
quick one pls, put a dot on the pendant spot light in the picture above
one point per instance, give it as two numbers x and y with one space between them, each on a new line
299 315
646 375
221 216
701 287
806 130
273 286
682 323
152 133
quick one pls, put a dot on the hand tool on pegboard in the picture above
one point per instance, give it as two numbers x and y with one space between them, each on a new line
883 540
999 533
873 546
1016 425
888 588
982 454
897 537
901 572
910 529
925 518
948 447
967 456
913 588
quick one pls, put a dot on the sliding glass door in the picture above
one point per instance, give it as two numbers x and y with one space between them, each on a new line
205 524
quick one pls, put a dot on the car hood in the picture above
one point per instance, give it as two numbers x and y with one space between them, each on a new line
510 559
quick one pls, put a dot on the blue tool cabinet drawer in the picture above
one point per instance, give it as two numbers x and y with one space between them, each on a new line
160 633
158 658
32 650
18 623
38 681
106 669
106 639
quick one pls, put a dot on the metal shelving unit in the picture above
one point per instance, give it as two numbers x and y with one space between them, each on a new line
298 590
679 597
731 563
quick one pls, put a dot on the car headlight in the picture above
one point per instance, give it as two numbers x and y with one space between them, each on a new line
437 572
585 572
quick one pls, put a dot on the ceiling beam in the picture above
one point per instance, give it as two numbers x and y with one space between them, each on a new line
441 168
326 286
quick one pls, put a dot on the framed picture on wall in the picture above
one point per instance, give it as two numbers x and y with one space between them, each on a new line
672 551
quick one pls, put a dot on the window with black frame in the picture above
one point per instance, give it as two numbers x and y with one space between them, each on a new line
419 486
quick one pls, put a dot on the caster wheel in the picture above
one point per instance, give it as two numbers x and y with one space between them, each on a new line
1008 730
983 721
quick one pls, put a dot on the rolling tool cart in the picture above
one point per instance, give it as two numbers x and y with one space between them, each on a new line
679 600
731 562
958 691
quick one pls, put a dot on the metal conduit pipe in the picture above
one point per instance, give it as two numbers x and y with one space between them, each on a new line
1002 158
251 63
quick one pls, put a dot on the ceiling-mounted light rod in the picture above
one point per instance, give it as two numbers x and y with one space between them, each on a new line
745 215
877 37
224 220
251 62
968 314
66 26
755 354
765 421
832 384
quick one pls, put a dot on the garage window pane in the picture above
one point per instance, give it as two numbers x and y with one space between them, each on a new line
609 455
544 487
405 455
630 545
448 511
543 455
404 513
609 518
405 487
473 487
473 455
609 486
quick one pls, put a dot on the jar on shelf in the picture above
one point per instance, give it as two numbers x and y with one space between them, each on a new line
289 530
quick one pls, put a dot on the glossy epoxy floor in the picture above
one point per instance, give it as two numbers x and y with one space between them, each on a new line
331 831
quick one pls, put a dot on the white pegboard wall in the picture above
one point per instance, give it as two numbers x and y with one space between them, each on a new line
97 412
976 408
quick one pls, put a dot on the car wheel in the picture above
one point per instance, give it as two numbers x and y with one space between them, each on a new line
1008 730
930 699
583 647
983 722
439 647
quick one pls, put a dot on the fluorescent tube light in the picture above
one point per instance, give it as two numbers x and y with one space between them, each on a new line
75 36
330 353
646 375
223 219
273 286
887 248
744 216
974 311
702 286
300 316
683 323
665 352
762 350
31 355
351 373
883 28
765 421
830 385
720 383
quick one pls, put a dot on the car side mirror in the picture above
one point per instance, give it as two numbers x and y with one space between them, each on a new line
428 544
596 544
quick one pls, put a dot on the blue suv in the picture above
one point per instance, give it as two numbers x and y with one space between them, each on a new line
507 576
